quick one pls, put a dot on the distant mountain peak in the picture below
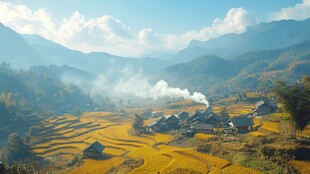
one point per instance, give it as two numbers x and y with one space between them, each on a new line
264 36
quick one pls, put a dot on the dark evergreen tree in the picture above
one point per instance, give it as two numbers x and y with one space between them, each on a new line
137 124
15 150
295 100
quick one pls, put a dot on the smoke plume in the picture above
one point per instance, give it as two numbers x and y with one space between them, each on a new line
119 83
141 88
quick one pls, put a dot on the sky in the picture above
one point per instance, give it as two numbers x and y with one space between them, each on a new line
136 27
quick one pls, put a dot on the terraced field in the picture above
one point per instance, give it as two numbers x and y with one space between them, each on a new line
64 137
239 109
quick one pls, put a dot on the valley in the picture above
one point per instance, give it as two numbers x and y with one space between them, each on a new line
183 88
61 139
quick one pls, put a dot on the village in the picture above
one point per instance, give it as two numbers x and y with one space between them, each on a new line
232 135
209 122
201 121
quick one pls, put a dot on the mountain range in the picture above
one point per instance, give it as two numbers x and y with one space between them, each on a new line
250 71
232 62
264 36
23 51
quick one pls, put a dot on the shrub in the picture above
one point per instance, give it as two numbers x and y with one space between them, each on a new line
15 150
19 168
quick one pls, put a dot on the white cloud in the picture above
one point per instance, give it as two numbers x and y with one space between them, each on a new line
23 20
148 37
235 21
93 34
300 11
109 34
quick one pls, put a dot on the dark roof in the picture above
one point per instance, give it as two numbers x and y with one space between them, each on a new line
172 118
183 115
192 115
96 145
196 116
160 119
260 103
241 121
214 116
154 123
182 112
203 126
207 113
196 122
200 118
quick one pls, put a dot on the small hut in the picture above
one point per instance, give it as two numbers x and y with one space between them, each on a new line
263 108
171 122
155 126
94 150
200 127
241 124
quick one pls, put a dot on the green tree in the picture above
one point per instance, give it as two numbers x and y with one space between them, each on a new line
295 100
15 150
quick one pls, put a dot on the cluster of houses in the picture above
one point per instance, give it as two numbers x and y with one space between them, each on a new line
207 121
198 122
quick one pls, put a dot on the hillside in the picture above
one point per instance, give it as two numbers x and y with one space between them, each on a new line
27 97
250 71
16 50
264 36
41 92
198 73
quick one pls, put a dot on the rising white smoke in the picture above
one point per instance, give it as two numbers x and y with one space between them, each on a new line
141 88
134 83
162 89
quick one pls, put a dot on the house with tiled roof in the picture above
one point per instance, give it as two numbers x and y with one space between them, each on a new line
241 124
94 150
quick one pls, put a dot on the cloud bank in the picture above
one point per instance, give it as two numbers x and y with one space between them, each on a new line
300 11
108 34
111 35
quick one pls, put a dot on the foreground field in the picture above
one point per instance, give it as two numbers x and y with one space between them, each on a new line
60 139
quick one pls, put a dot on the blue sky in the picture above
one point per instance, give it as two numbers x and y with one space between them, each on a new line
164 16
131 27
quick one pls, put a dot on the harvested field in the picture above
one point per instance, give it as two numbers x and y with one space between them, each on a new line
203 137
239 109
301 166
257 134
64 137
271 126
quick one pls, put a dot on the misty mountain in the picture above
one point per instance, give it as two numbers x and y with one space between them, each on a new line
264 36
65 74
23 51
41 92
250 71
161 54
16 50
59 72
197 73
